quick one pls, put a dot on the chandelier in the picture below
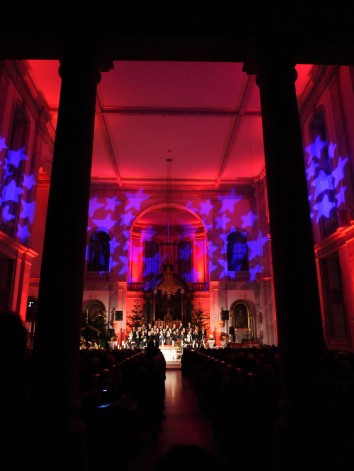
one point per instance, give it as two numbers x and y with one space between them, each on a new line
168 285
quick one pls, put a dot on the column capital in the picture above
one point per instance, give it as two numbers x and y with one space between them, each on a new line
270 60
76 64
86 52
270 69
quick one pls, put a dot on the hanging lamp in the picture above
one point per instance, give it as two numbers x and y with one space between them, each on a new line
168 285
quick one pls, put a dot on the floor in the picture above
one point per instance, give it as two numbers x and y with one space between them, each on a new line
184 423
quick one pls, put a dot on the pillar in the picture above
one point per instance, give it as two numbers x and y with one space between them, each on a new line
57 339
300 335
298 310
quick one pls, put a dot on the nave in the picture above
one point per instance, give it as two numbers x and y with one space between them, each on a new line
201 409
222 393
185 422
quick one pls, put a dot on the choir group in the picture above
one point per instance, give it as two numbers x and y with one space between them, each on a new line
176 335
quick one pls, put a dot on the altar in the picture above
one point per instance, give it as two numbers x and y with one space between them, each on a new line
169 352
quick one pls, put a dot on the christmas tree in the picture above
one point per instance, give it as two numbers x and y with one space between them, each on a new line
136 318
200 318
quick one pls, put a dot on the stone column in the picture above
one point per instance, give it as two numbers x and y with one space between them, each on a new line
298 310
300 335
57 338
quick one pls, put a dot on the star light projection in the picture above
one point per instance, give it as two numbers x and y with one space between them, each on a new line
217 219
325 179
18 210
222 215
327 191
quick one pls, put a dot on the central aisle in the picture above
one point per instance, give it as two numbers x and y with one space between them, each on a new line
185 423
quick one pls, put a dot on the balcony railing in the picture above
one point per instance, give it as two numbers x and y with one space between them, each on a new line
198 286
136 286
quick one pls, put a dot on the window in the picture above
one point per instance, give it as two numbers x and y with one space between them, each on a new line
184 254
14 166
237 251
333 297
322 183
99 251
151 260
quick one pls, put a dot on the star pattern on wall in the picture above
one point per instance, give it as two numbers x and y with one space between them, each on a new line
106 223
228 202
327 192
326 188
135 200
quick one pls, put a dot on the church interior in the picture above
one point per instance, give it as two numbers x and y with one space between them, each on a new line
154 176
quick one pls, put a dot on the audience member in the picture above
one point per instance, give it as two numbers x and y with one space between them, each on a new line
14 387
188 456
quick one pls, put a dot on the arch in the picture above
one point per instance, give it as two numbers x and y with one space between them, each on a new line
92 308
161 208
242 318
151 225
94 325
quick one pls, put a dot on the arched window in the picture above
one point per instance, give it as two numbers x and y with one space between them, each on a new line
237 251
322 182
184 255
151 260
14 166
99 251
